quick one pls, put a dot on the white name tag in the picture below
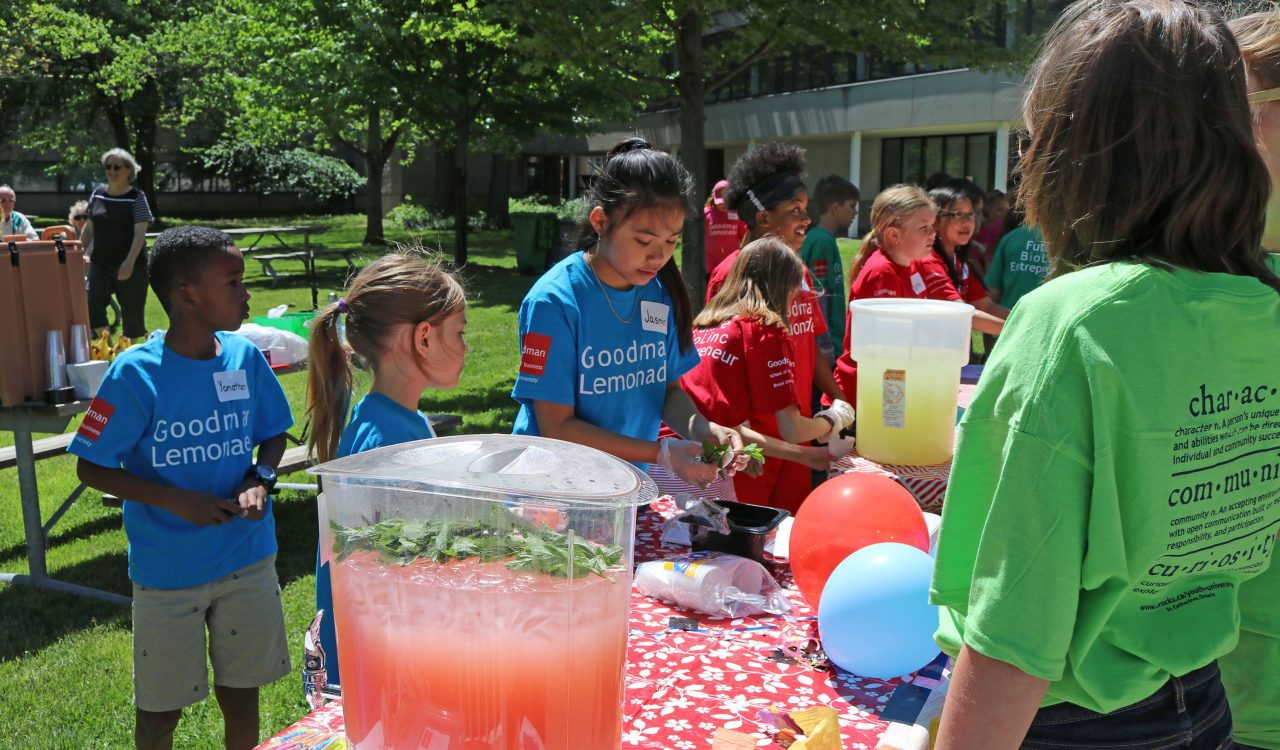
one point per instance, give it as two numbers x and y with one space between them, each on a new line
653 316
232 385
917 283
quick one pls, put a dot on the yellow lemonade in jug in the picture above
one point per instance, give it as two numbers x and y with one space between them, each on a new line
906 416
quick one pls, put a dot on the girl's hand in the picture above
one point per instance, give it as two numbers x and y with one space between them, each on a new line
839 414
684 459
734 460
817 459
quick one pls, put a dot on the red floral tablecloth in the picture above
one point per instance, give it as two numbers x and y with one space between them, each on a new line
927 483
681 686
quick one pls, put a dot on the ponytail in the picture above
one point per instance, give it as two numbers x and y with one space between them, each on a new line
870 244
328 385
681 307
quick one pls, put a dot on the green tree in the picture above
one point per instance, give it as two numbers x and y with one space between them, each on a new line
329 72
491 84
374 75
86 76
682 51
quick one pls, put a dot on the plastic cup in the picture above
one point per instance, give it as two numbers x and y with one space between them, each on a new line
79 344
56 358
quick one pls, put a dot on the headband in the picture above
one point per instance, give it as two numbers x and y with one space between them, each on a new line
342 305
769 192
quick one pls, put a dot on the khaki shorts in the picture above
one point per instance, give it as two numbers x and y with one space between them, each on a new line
246 638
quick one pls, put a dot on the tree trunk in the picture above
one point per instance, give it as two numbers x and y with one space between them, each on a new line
460 190
145 106
692 87
461 146
375 163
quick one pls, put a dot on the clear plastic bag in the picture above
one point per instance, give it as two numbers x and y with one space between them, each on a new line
285 347
713 583
713 515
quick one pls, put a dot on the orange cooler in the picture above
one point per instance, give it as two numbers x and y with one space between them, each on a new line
481 588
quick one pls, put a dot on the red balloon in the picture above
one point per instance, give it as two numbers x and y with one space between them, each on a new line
845 514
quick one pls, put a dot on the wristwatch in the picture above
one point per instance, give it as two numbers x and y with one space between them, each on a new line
265 475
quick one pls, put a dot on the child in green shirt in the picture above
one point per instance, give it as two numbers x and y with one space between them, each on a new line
1116 480
1254 690
837 200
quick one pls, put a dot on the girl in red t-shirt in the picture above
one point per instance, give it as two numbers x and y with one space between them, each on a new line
748 371
955 249
724 230
894 261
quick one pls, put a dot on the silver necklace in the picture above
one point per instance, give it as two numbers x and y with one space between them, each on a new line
624 321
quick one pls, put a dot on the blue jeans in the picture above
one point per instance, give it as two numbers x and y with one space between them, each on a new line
1189 713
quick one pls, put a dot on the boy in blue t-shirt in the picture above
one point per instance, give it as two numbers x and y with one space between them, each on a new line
172 430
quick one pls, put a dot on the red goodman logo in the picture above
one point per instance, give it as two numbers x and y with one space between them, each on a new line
533 354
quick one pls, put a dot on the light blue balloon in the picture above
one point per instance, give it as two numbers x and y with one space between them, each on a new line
874 617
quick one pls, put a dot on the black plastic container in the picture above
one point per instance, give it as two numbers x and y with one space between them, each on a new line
748 526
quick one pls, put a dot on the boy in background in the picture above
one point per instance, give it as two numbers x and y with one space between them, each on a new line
172 430
837 200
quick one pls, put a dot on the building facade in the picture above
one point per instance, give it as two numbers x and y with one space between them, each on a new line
876 133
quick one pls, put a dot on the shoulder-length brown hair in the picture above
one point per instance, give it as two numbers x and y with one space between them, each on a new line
1140 141
760 284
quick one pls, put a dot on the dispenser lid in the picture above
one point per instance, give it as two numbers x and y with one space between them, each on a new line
499 467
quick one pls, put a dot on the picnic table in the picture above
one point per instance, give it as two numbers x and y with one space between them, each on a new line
306 255
927 483
684 685
22 421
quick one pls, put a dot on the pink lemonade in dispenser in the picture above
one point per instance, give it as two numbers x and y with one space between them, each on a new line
467 622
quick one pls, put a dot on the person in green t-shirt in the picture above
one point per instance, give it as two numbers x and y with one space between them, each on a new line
1253 689
1117 477
837 200
1018 266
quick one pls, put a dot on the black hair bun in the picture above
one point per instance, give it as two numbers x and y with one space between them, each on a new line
627 146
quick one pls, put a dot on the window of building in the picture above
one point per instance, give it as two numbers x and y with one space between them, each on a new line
912 160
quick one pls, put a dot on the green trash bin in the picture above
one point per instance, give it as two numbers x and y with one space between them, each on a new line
533 240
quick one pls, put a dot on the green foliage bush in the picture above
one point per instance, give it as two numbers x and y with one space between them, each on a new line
272 169
415 218
572 210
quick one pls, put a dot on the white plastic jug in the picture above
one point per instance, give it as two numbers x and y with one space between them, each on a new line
909 354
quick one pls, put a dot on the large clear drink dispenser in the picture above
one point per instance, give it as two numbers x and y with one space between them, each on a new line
909 354
481 588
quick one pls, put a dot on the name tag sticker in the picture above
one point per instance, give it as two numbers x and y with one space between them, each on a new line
231 385
653 316
917 283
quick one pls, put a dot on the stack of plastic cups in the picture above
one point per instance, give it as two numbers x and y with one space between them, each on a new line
58 391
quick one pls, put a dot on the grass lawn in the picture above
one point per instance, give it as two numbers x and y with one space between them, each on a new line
65 662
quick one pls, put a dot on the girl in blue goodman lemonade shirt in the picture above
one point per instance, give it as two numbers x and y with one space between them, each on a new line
606 334
405 317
